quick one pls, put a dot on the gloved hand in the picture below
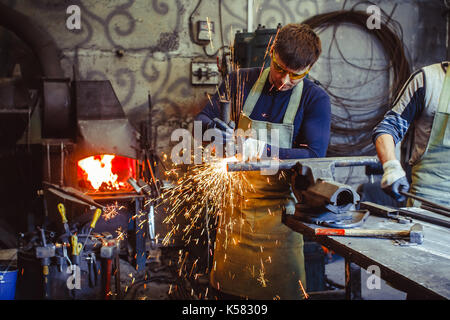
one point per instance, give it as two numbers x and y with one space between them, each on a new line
252 150
226 130
394 180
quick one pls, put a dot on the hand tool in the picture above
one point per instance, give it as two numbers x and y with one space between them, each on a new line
92 262
45 253
107 252
97 215
415 234
76 249
66 257
62 212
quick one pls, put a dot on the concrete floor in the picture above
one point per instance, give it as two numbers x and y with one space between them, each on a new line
166 285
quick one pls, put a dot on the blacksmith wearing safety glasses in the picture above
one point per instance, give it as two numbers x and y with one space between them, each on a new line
258 257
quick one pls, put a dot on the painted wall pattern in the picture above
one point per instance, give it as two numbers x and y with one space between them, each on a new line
144 46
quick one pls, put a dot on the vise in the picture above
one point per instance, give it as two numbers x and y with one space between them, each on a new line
321 199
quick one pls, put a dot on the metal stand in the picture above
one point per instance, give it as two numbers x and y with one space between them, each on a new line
352 281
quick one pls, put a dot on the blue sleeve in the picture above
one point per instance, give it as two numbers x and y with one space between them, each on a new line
314 135
211 110
409 104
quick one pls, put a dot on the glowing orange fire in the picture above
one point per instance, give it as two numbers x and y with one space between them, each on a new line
106 172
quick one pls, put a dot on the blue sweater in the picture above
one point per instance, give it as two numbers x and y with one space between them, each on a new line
312 121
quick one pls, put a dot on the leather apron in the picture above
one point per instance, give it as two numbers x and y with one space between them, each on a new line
431 175
256 255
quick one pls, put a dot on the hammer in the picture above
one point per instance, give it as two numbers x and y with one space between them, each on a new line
415 234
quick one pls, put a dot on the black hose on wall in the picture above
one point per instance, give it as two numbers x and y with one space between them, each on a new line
357 130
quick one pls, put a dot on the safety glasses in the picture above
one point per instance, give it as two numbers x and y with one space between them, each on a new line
280 69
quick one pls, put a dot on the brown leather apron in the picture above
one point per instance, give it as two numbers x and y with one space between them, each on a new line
256 255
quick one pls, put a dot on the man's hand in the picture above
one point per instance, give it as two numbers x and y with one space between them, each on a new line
252 150
226 130
394 180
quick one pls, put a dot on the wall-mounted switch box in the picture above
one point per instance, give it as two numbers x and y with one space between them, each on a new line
204 73
205 32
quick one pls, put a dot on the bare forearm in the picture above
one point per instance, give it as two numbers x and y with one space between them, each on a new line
385 147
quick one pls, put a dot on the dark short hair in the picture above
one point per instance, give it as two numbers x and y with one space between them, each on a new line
297 45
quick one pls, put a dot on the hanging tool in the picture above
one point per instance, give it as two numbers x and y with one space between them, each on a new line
44 253
62 212
76 250
97 214
92 266
108 252
415 234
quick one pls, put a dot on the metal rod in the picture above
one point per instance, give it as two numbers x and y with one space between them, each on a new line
435 210
49 168
424 217
426 201
288 164
61 182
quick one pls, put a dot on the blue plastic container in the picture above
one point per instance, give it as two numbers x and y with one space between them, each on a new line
8 278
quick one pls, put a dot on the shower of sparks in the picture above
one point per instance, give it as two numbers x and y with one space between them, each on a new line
204 189
111 211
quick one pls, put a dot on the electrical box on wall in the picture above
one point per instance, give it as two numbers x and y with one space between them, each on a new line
204 73
205 32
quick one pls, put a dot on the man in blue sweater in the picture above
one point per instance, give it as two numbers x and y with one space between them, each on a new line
256 256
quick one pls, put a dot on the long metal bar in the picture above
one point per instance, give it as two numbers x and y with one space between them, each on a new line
435 210
288 164
426 201
424 217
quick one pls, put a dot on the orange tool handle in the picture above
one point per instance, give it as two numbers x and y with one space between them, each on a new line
329 232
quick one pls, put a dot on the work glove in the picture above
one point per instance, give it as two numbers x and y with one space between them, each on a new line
394 180
223 129
252 150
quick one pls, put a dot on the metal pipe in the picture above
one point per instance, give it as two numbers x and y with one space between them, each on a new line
61 181
289 164
427 202
250 16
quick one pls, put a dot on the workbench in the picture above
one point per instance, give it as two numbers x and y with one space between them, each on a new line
420 270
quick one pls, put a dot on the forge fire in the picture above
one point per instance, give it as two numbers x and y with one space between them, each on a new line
105 173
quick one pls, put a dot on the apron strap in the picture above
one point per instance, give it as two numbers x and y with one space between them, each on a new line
444 98
294 103
254 94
